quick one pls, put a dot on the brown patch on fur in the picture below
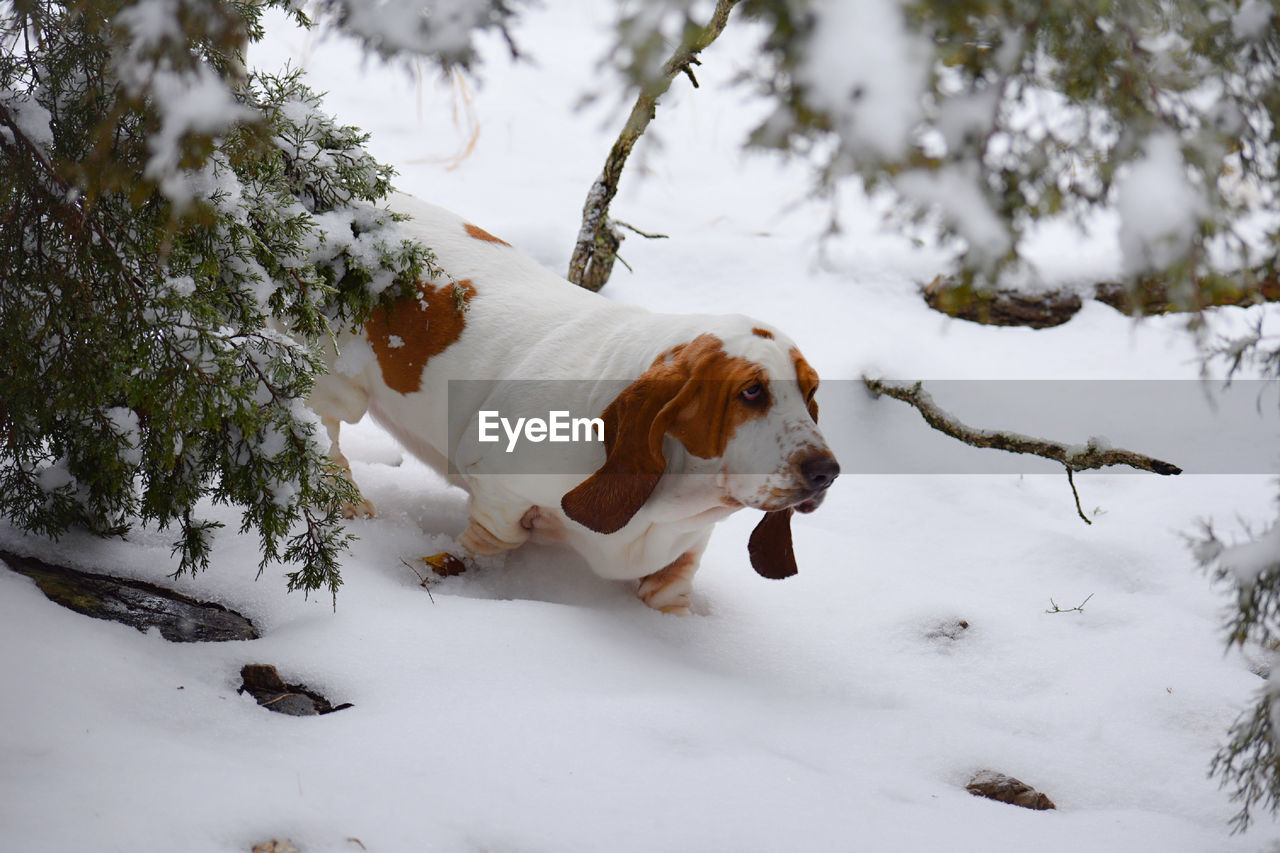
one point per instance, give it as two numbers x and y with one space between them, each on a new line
427 323
808 379
677 568
481 234
690 392
711 410
655 588
762 333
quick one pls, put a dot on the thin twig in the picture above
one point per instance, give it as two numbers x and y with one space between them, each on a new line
598 240
1079 608
645 234
1072 483
423 580
1073 458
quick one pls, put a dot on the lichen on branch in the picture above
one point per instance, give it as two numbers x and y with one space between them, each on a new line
599 238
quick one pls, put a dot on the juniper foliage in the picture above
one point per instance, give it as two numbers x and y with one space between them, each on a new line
164 215
1010 113
1248 764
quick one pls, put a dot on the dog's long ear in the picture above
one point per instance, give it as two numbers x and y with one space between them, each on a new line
634 426
770 546
807 378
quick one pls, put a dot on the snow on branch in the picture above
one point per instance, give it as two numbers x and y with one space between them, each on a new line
1089 456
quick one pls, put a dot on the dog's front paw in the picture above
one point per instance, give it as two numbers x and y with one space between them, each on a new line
668 589
668 596
480 541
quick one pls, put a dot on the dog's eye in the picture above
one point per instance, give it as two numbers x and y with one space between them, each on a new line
752 392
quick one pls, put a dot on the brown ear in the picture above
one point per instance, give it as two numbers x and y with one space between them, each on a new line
807 378
770 546
635 424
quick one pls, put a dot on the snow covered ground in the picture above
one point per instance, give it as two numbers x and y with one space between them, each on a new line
534 707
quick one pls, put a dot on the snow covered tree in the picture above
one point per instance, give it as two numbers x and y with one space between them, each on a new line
1249 763
164 215
165 212
986 118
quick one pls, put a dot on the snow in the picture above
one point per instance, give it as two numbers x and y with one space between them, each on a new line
31 118
1159 208
354 358
190 102
863 54
127 426
187 101
333 233
183 285
1251 20
55 476
1248 561
955 191
961 118
438 26
150 23
528 705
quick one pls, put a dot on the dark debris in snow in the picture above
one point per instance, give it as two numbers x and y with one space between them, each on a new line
179 618
1006 789
263 682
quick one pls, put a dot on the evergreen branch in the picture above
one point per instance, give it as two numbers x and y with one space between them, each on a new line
159 321
82 215
1248 763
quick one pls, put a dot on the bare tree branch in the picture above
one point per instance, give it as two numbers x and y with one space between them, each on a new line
598 239
1073 458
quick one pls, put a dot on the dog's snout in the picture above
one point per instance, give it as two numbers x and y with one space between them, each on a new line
819 471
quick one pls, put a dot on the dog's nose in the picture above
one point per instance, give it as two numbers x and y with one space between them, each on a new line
819 471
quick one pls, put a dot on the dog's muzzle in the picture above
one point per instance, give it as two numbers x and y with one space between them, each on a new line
819 472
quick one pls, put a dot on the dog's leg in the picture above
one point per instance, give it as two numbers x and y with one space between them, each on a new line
492 532
668 588
361 508
337 398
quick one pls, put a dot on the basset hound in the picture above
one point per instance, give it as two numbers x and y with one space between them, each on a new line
695 416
